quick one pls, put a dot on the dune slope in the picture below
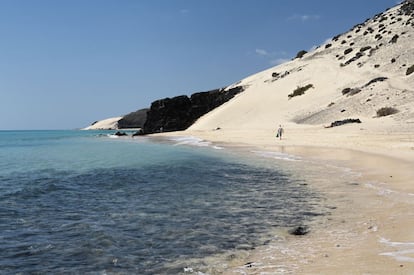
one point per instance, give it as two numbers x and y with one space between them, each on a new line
353 75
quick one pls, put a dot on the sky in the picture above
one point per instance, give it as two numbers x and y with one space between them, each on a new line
67 63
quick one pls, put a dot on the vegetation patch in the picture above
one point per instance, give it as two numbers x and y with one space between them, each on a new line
347 51
407 8
383 18
377 79
394 39
301 54
410 70
351 91
386 111
344 121
300 90
335 38
357 56
366 48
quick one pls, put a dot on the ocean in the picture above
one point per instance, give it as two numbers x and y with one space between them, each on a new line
88 202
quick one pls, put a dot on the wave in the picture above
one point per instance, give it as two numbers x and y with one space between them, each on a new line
404 250
193 141
277 155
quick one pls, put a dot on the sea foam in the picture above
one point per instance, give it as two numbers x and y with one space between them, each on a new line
193 141
277 155
404 249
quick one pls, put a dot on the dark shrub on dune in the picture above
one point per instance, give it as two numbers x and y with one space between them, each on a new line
300 90
394 39
351 91
366 48
386 111
408 7
344 121
301 54
347 51
410 70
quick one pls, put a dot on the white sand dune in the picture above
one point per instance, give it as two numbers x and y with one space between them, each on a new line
254 115
106 124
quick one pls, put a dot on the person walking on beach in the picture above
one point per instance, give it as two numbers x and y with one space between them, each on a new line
279 132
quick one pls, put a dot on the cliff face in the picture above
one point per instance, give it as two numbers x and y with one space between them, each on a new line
168 114
174 114
179 113
134 119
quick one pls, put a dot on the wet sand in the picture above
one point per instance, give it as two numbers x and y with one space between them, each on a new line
370 228
368 231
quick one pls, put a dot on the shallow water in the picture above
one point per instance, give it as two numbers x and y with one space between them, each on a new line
76 202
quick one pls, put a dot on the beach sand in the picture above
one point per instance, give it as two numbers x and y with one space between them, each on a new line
370 229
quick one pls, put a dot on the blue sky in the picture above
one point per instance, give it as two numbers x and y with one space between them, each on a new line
67 63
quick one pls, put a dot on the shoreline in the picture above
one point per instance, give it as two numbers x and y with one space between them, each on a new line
373 233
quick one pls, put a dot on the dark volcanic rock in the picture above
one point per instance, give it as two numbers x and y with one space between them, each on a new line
179 113
168 114
204 102
120 134
133 120
140 132
300 230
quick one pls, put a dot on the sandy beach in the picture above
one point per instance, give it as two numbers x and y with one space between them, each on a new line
371 227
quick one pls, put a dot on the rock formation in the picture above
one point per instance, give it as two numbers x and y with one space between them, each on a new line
178 113
133 120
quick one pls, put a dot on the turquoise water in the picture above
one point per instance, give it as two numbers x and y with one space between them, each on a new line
83 201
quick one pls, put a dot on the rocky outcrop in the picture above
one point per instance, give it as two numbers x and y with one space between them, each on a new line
120 134
168 114
133 120
300 230
178 113
204 102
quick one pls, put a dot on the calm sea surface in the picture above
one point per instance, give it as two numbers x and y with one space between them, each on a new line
85 202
